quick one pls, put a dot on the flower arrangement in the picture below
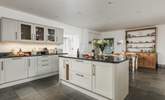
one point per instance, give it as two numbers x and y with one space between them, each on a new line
100 44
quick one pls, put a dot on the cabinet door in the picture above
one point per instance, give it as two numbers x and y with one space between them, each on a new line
43 65
39 32
1 71
53 60
50 35
32 66
26 31
59 35
9 30
15 69
65 65
81 66
102 80
150 61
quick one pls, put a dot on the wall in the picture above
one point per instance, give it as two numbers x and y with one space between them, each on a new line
86 37
68 29
120 35
161 44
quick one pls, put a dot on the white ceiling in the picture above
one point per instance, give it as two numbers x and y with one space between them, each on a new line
99 15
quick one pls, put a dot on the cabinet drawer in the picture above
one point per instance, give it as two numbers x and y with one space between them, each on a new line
82 66
81 80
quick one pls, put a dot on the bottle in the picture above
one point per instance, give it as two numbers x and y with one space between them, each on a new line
78 53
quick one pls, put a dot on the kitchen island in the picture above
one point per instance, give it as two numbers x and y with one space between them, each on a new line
103 79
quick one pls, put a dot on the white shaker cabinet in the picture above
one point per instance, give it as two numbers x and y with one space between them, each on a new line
39 33
32 66
59 35
43 65
26 31
50 34
54 62
80 73
102 78
1 71
64 71
15 69
9 30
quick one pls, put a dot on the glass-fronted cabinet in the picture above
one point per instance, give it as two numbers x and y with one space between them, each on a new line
51 35
39 33
26 31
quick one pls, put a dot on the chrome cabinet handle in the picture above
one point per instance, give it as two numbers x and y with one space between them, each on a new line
93 70
16 36
79 75
16 58
44 60
45 64
79 60
2 66
29 63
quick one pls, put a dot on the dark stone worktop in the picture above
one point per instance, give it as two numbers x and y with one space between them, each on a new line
6 55
107 59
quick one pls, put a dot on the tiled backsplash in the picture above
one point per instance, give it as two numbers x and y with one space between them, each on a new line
8 46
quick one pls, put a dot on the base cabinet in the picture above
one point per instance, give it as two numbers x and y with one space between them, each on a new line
32 66
64 71
109 80
54 63
102 79
43 65
1 71
147 60
15 69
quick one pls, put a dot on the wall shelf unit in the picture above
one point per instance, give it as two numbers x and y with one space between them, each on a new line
141 40
143 43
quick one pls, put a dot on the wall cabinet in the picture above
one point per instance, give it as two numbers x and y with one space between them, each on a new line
15 69
51 34
39 33
101 71
59 35
9 30
26 31
14 30
32 66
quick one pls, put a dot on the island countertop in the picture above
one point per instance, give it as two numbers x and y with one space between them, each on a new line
109 59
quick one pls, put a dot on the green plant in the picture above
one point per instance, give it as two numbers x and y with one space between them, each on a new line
100 44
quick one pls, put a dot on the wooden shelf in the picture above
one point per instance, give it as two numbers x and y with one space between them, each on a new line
140 47
141 42
141 36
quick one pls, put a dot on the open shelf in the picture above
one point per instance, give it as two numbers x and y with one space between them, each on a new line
142 36
144 40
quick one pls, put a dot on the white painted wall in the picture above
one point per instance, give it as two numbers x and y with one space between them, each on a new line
86 37
120 35
161 44
68 30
